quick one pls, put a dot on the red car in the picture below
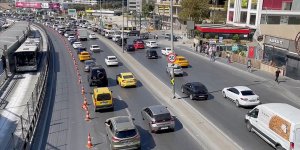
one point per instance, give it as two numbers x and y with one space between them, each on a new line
139 45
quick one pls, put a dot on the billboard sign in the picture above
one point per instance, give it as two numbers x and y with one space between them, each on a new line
72 12
38 5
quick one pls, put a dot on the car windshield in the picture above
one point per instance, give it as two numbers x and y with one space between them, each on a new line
89 63
105 96
162 117
177 67
95 46
111 58
128 76
181 59
126 133
247 93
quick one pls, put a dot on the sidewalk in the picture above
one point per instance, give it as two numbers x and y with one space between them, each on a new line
288 86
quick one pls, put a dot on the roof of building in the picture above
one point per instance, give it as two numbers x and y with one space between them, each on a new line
280 30
222 28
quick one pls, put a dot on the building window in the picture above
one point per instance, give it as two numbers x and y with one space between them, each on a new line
243 17
132 2
230 17
231 4
252 19
254 4
273 19
294 20
287 6
244 4
274 57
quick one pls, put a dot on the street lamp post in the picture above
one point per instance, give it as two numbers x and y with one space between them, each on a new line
172 44
122 37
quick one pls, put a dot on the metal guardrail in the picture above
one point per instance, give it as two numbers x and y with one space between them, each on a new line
22 136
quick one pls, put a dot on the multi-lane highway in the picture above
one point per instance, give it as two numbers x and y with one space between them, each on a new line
67 129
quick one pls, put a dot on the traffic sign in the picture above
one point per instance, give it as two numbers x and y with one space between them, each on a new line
171 57
172 81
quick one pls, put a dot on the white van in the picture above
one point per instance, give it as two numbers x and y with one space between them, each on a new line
109 34
277 123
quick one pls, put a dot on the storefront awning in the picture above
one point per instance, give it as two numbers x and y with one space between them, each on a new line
228 30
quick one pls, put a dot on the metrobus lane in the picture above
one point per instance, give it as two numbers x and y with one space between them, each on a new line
220 111
131 101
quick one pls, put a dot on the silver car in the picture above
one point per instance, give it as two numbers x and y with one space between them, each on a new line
177 70
158 118
88 64
122 133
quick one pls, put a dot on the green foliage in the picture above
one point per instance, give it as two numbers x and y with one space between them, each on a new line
195 10
207 36
216 37
236 38
147 8
197 32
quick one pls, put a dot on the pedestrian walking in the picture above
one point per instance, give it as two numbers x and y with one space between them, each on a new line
156 36
277 75
228 58
249 65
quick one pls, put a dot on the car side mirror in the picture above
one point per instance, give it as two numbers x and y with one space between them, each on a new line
106 123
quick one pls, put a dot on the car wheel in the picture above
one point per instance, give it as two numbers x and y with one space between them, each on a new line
237 104
191 97
117 81
279 147
224 95
249 126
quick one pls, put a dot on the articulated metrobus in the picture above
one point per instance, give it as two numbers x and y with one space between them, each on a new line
26 57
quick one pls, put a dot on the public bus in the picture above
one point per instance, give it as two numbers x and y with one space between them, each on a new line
26 56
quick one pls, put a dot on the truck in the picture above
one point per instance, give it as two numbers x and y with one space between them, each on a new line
82 34
276 123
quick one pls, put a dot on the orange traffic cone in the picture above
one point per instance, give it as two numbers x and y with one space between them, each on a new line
82 91
89 143
87 116
85 105
79 80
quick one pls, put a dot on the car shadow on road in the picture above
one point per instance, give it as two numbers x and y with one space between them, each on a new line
119 104
111 82
147 141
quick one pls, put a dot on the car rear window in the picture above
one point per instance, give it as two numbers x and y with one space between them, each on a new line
95 46
128 76
181 59
104 96
162 117
111 58
126 133
247 93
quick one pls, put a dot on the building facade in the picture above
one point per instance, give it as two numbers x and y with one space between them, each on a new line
134 5
87 2
251 13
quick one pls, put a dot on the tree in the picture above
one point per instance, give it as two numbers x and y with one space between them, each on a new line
194 10
147 9
236 38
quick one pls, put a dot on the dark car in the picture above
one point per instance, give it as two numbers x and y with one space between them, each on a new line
174 38
119 41
195 90
81 49
97 76
129 48
151 54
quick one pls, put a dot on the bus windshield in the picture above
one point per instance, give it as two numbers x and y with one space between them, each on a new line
26 59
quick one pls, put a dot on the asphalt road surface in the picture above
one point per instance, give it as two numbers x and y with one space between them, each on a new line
67 129
222 112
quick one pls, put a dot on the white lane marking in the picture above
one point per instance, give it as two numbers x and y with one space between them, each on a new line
126 109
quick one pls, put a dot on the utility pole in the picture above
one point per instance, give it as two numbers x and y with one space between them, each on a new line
172 43
101 24
122 37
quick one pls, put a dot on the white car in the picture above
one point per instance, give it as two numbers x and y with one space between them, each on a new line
166 51
95 48
92 36
111 61
115 37
84 26
151 44
77 45
71 38
241 96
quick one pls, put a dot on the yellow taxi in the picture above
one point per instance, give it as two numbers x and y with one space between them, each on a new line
102 99
126 79
181 61
84 55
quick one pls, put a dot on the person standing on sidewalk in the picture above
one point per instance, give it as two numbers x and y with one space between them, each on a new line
228 58
249 65
277 72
